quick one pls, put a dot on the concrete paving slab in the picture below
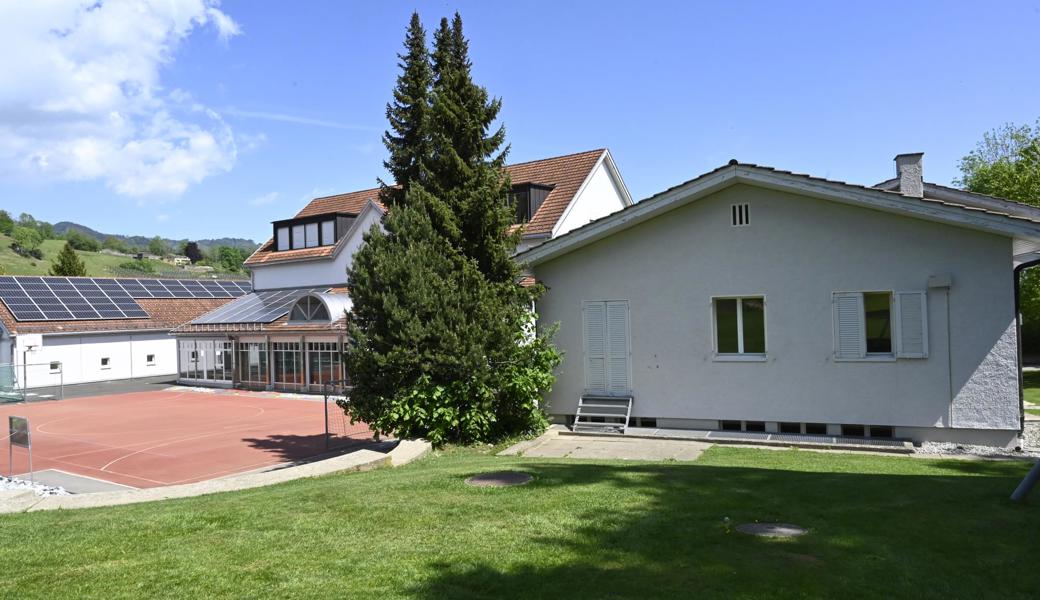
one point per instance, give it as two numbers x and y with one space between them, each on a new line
608 448
75 484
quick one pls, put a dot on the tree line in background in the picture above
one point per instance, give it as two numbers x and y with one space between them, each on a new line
28 234
1006 163
442 336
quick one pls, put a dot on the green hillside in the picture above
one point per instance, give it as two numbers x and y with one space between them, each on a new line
98 265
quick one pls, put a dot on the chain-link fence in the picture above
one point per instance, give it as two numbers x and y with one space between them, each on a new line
45 381
338 428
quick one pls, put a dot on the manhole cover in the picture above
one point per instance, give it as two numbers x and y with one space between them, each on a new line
499 479
771 529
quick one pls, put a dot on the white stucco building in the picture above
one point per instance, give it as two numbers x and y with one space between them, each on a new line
761 300
289 333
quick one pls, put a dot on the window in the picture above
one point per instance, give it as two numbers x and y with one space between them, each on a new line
526 199
754 426
740 326
312 234
853 431
309 308
880 325
328 233
297 237
149 360
605 330
877 322
741 214
790 427
55 367
730 425
325 363
881 431
283 238
104 363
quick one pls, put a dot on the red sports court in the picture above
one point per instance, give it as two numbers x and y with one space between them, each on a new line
169 437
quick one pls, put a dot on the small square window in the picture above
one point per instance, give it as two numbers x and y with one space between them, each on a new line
55 367
105 363
729 425
740 325
790 428
881 431
150 359
754 426
645 422
816 428
853 431
194 356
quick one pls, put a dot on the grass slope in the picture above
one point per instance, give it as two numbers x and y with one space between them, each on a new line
98 265
879 527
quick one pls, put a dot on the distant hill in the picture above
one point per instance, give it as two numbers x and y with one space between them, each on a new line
141 241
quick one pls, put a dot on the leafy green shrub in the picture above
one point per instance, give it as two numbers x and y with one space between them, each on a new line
141 266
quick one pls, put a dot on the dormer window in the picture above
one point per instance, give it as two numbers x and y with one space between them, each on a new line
527 198
311 232
309 308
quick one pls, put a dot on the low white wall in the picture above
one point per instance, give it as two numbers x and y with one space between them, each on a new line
81 358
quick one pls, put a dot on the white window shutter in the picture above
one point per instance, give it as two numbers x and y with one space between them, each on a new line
595 326
850 339
911 320
617 344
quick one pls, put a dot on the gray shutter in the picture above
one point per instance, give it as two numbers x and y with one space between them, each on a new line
595 342
617 344
850 338
911 325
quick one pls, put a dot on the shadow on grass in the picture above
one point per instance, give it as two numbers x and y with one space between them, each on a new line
666 531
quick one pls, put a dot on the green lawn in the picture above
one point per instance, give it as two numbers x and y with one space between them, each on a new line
98 265
1031 386
879 527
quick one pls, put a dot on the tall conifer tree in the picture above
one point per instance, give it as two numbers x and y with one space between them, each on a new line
68 263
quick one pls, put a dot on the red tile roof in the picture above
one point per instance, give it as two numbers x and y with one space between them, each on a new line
564 173
163 314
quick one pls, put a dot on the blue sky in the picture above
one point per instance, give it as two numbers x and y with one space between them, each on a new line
229 116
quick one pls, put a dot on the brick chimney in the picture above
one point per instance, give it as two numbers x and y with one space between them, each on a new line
910 173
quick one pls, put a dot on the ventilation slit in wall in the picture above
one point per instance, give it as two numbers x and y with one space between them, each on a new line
741 214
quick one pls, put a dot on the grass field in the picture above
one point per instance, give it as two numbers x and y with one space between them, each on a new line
879 527
98 265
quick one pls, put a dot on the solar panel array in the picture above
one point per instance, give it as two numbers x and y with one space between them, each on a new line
258 307
84 298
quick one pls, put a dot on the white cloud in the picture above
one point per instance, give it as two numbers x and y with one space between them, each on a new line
264 200
81 96
297 119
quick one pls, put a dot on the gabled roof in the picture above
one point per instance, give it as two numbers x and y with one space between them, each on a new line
164 314
265 254
966 198
1020 228
566 174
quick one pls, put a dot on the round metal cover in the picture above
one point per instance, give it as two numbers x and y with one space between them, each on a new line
499 479
771 529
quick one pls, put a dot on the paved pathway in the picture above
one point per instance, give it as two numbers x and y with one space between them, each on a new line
551 445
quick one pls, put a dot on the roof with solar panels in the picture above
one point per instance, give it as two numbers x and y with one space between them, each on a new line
51 305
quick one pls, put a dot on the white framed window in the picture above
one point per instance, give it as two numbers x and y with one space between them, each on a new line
105 363
55 367
880 325
149 360
328 233
298 238
283 238
739 324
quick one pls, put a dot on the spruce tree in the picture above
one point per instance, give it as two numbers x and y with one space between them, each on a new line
439 328
68 263
468 159
408 139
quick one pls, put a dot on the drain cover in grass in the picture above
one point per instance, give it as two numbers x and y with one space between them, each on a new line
771 529
499 479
